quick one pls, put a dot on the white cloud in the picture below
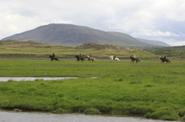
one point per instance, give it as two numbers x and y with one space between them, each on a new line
141 18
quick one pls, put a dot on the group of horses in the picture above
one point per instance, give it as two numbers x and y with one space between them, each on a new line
80 57
133 58
84 57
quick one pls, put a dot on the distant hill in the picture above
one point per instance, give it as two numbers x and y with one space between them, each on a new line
73 35
152 42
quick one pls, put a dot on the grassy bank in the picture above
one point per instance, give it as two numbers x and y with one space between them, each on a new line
148 89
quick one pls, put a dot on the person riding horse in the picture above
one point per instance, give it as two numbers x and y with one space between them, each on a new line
134 59
80 57
84 57
90 58
164 59
114 58
53 57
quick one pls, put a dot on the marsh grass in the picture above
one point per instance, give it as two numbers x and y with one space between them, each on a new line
148 89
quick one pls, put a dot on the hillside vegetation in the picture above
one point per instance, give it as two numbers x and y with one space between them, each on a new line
33 49
178 52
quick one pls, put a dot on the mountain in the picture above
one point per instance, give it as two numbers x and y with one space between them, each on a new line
152 42
68 34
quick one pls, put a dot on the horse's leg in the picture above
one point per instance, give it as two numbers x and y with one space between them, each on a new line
135 60
131 61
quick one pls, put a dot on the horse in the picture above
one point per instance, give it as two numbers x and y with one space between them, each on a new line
114 58
80 57
53 57
134 59
164 59
90 58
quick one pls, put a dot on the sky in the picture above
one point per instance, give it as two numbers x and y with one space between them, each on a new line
162 20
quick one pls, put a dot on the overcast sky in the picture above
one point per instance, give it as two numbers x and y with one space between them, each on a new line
151 19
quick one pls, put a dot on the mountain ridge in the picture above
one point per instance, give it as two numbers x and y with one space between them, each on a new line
69 34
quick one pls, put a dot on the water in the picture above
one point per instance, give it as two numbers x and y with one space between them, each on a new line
5 79
46 117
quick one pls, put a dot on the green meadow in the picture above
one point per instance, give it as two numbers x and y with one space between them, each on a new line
148 89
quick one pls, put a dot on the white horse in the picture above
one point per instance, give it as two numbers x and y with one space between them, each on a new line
90 58
114 58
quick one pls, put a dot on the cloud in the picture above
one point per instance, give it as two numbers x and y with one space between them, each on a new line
151 19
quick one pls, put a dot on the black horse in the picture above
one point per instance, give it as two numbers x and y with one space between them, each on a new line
53 57
134 59
164 59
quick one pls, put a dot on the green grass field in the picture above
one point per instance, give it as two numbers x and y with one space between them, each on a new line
148 89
